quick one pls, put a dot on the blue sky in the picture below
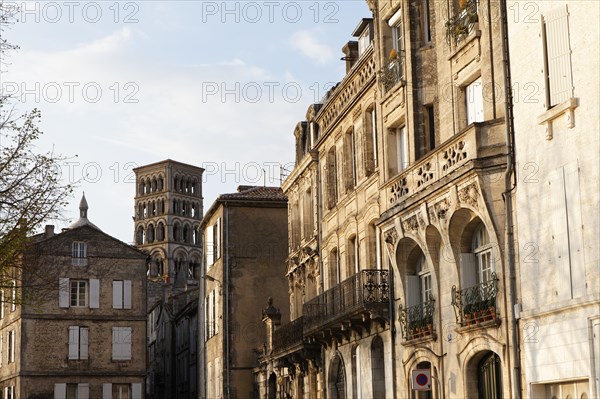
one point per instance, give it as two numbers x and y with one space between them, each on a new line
215 84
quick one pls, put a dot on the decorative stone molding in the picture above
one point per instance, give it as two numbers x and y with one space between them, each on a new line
425 174
398 190
469 195
391 236
454 155
411 224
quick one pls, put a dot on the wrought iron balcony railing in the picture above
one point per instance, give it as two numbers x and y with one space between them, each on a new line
476 304
459 27
417 320
288 336
391 74
368 291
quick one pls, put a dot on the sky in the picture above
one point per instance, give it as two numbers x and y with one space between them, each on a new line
217 84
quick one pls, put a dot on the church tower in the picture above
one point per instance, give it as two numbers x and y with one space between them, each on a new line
168 211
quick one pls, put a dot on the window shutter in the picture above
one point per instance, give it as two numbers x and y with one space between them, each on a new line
116 348
468 270
208 235
83 391
136 391
73 342
559 55
127 342
1 304
60 391
412 295
63 292
559 232
217 239
216 311
117 294
83 342
106 391
127 294
94 293
575 229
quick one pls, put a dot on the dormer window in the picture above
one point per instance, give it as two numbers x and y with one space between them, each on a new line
363 42
364 34
79 254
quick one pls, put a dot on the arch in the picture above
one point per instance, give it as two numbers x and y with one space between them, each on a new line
148 186
272 387
186 234
424 365
372 245
352 256
483 376
176 231
160 183
153 209
150 234
194 267
160 231
337 377
156 267
378 368
196 235
333 268
154 185
140 235
141 187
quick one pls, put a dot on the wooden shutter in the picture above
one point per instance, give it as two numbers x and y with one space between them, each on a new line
413 296
558 52
73 342
559 234
468 270
575 223
107 391
63 292
217 239
94 293
117 294
209 250
127 294
83 342
136 391
60 391
83 391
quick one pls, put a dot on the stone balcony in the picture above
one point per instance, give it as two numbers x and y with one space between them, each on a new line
478 140
352 304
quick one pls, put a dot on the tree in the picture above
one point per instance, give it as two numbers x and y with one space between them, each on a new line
31 188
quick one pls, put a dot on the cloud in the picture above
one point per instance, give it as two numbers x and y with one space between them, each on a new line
309 44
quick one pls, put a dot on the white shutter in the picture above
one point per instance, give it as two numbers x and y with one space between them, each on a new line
559 55
575 222
73 342
63 292
94 293
117 294
559 234
83 391
216 310
468 270
413 296
395 19
83 342
106 391
60 391
116 348
127 342
1 304
209 250
218 239
127 294
136 391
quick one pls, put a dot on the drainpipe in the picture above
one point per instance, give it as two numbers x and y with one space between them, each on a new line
226 301
509 186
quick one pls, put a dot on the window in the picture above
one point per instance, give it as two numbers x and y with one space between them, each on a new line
78 343
424 279
10 340
474 101
79 254
211 314
557 57
364 41
429 123
397 150
1 304
483 254
353 261
395 24
79 293
370 139
121 343
9 392
334 268
425 22
121 294
71 391
307 214
121 391
331 179
213 242
349 160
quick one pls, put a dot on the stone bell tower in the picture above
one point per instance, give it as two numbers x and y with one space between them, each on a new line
168 211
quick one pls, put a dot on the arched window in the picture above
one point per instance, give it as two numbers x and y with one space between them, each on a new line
139 239
154 184
150 234
176 232
196 235
482 250
186 234
333 268
160 184
489 377
352 256
160 232
337 378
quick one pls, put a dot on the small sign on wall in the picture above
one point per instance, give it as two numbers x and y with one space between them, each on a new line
421 380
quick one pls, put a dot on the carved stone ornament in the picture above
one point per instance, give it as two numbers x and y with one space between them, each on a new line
469 195
391 236
441 209
411 224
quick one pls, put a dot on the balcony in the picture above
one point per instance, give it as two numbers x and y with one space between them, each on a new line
350 304
462 24
391 74
476 304
478 140
417 320
289 336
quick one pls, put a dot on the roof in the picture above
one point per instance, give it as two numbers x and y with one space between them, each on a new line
255 193
83 220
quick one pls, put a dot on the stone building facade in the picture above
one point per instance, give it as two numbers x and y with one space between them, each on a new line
556 100
398 250
87 338
168 211
245 248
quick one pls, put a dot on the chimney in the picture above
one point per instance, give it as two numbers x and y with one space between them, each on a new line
49 231
350 54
